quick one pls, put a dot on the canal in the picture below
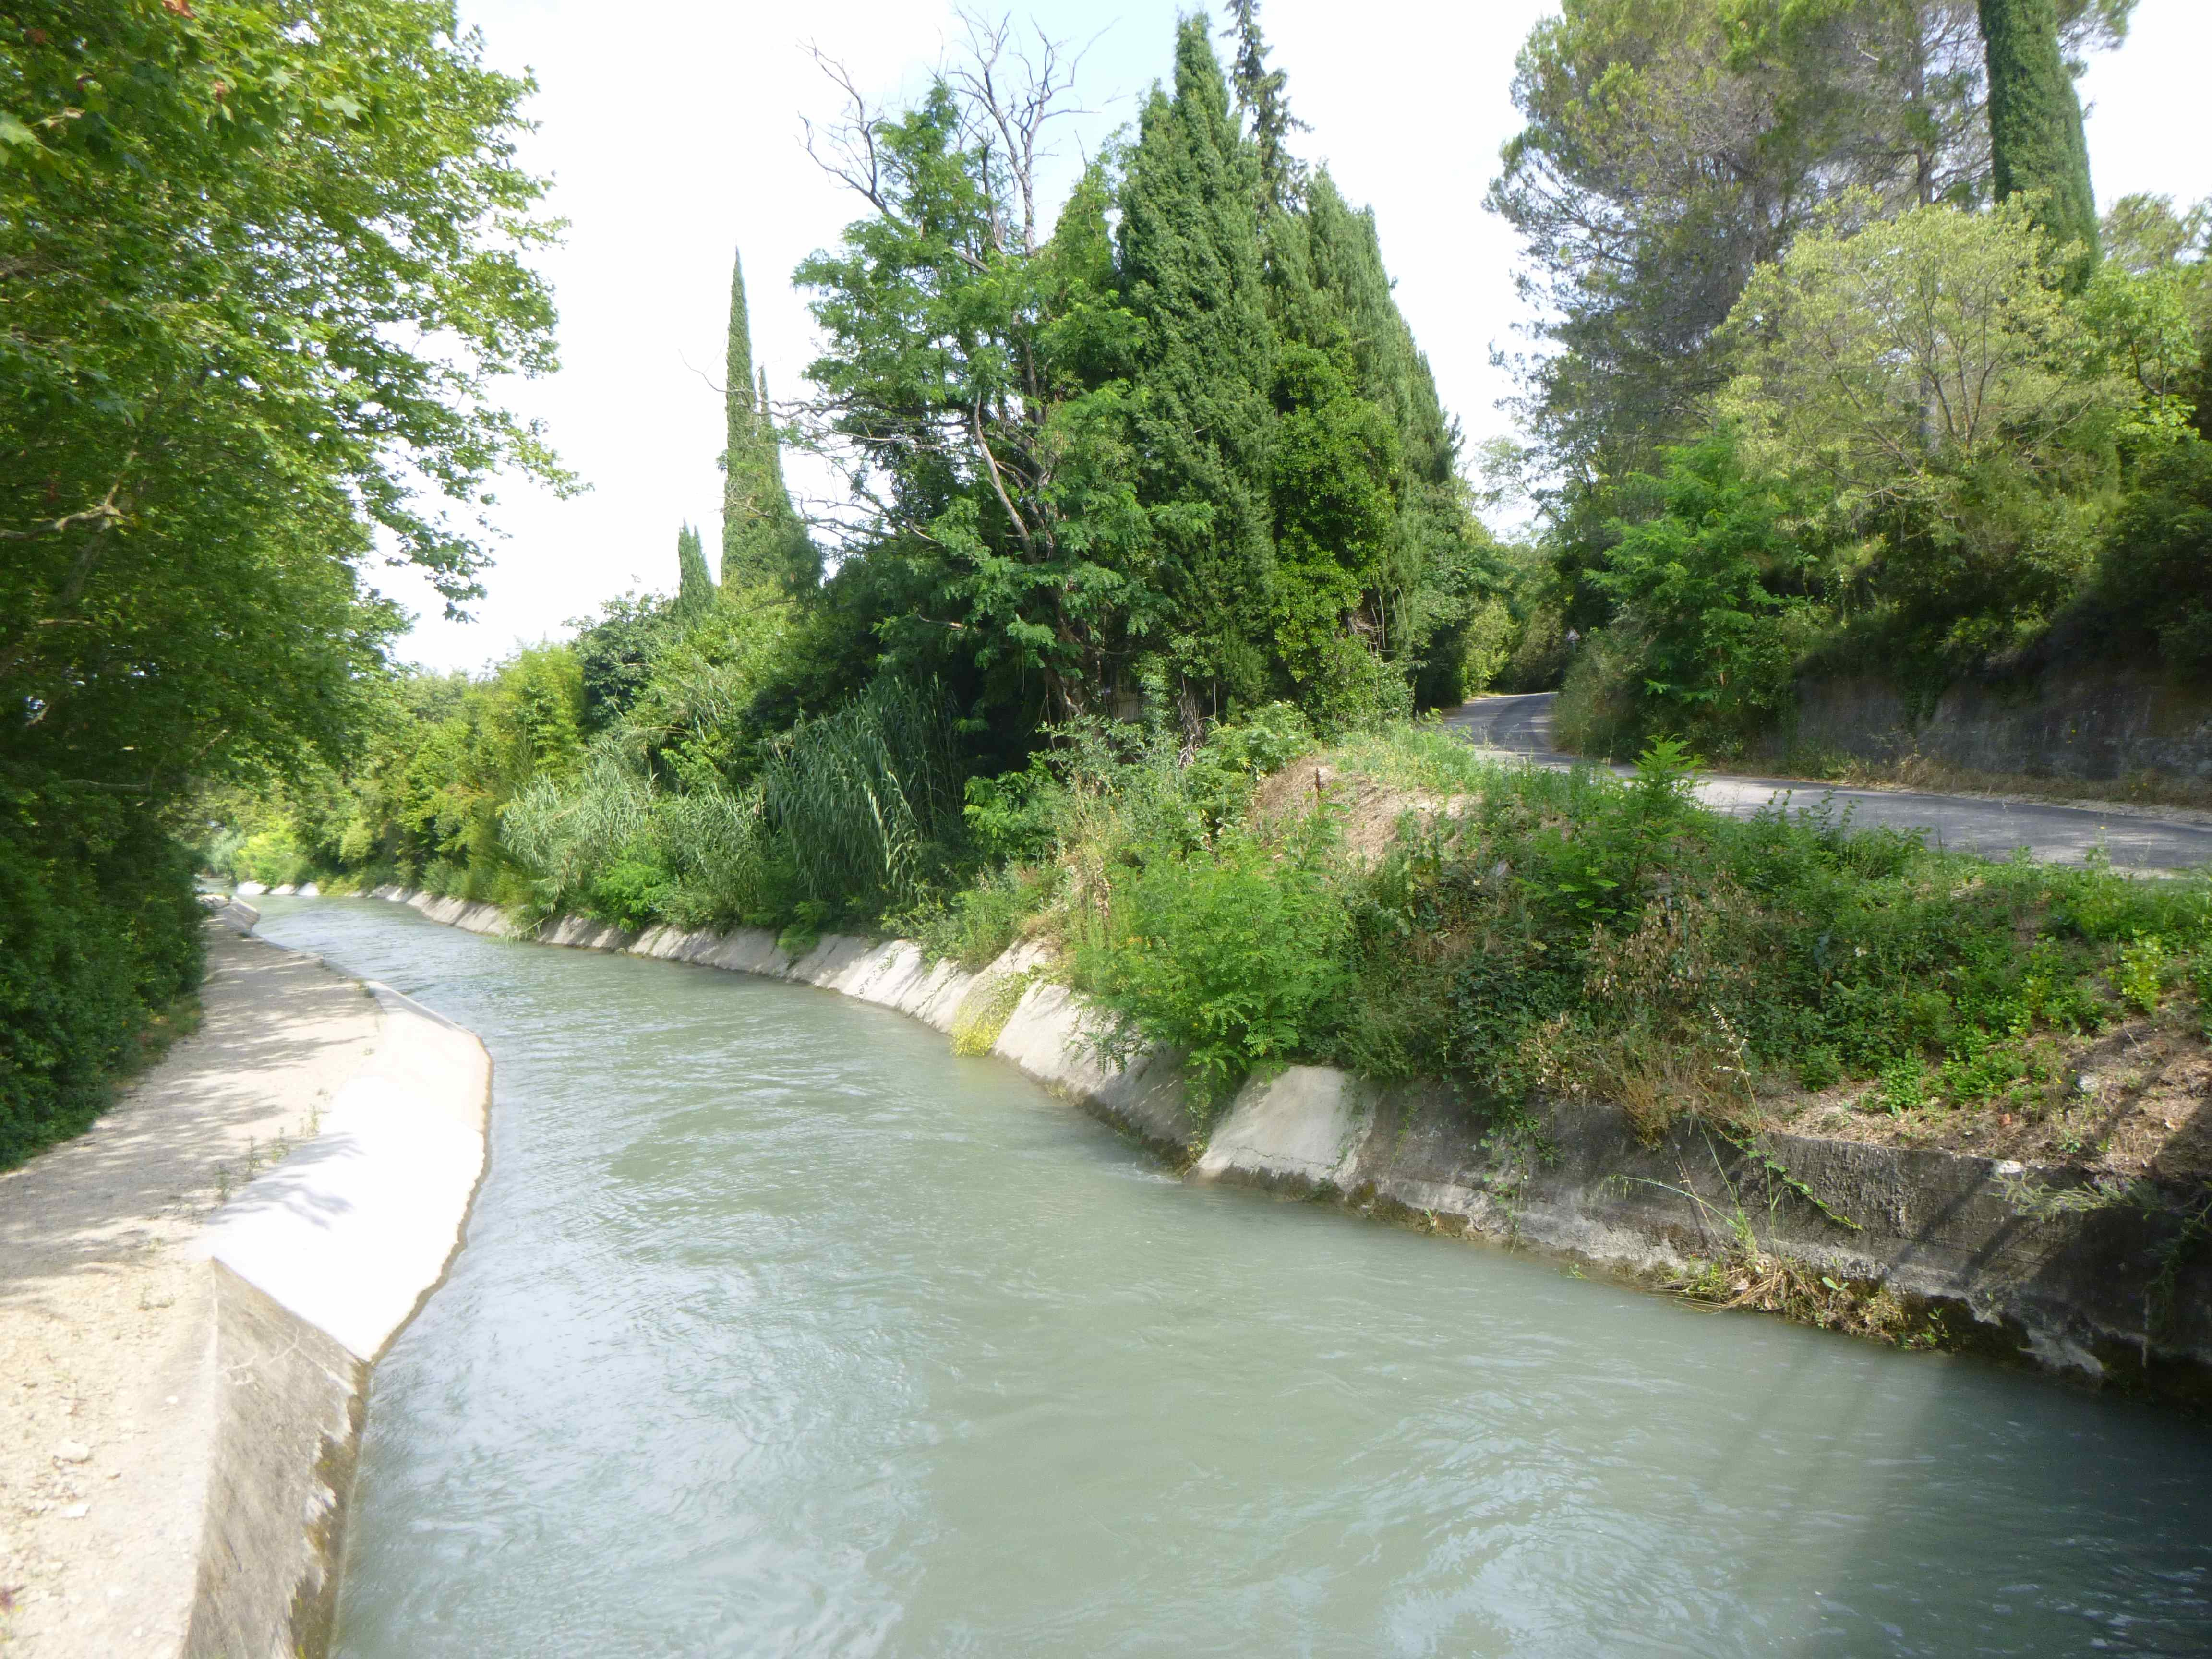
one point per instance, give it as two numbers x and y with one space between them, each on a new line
782 1330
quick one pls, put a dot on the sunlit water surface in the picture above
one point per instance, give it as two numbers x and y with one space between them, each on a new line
782 1330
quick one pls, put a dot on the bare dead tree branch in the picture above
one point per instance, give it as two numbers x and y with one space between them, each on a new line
1010 93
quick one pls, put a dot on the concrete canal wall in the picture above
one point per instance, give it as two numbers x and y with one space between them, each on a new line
317 1264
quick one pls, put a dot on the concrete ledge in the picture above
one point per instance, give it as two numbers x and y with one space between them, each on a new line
1300 1130
2077 1293
288 1435
317 1264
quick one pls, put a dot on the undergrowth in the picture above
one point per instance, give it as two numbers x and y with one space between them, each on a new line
1531 932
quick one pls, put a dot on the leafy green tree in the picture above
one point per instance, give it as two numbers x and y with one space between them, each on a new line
615 653
262 272
1671 146
2037 145
2156 576
968 393
2150 302
1711 597
208 397
762 538
1924 371
695 586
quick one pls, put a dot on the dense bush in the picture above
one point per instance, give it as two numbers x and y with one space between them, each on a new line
1713 615
1233 954
99 936
2156 572
1574 932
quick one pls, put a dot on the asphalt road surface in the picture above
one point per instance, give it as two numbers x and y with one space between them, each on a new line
2059 834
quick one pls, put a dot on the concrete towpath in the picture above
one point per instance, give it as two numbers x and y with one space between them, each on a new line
1522 725
108 1391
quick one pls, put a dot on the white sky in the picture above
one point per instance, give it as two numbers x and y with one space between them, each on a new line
671 131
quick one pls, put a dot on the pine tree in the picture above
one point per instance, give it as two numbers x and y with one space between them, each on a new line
1190 259
695 590
763 538
2036 139
1260 97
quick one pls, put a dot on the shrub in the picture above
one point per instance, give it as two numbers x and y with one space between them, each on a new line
981 921
98 935
1234 955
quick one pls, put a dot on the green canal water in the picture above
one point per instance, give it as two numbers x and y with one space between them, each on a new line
782 1330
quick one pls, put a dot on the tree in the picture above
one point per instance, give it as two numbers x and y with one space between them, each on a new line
221 239
1329 289
1190 266
695 590
1671 146
2036 142
1335 496
1711 596
1924 371
971 392
1259 99
763 540
262 271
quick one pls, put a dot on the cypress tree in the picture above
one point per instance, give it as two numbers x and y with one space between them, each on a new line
1190 261
694 584
2036 140
1260 96
763 538
1334 294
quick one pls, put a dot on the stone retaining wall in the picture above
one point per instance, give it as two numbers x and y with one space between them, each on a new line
2095 726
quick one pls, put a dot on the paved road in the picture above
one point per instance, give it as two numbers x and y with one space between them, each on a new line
2060 835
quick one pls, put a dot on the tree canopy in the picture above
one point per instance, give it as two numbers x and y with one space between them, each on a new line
263 267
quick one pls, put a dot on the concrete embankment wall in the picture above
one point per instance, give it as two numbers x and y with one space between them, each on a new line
2094 726
2117 1293
317 1263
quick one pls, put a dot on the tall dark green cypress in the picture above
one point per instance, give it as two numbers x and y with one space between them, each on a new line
694 584
2036 140
1332 292
1190 261
1260 95
763 538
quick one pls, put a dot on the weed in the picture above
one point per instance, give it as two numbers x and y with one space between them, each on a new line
2145 967
984 1012
1234 956
1904 1087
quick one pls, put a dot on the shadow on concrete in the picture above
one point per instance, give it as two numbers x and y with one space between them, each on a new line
280 1035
